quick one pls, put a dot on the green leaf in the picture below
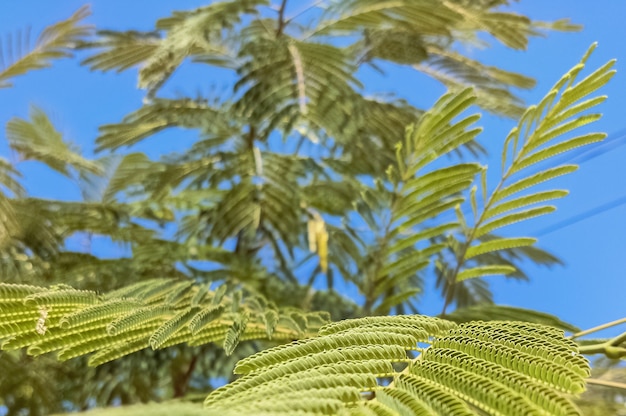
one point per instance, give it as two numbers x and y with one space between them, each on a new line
533 180
498 244
544 137
463 368
394 300
54 42
410 241
205 317
557 149
481 271
155 313
234 333
523 201
39 140
122 50
512 218
169 328
488 312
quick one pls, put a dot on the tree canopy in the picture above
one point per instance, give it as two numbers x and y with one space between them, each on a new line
294 238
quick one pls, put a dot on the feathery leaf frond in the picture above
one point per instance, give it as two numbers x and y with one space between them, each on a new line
487 312
530 142
366 366
155 117
152 313
418 197
39 140
56 41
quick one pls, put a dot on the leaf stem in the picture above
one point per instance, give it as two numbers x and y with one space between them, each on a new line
612 348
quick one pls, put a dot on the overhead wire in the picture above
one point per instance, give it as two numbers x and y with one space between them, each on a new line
582 216
609 144
614 141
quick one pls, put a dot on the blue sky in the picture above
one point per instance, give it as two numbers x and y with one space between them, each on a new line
587 291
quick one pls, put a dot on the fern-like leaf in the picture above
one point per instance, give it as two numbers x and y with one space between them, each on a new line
56 41
37 139
154 313
418 197
366 366
530 142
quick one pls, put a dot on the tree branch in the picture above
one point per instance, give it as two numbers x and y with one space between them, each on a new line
606 383
598 328
180 389
281 18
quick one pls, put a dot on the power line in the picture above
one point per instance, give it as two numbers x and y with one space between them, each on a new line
614 141
611 143
582 216
580 156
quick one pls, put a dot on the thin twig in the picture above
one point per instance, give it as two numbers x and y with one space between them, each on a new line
598 328
606 383
180 389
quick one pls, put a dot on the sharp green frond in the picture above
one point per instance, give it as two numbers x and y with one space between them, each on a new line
573 111
461 369
532 180
557 149
588 85
524 201
487 312
555 116
560 130
61 298
434 326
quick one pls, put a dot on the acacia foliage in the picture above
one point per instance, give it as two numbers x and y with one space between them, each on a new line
299 183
